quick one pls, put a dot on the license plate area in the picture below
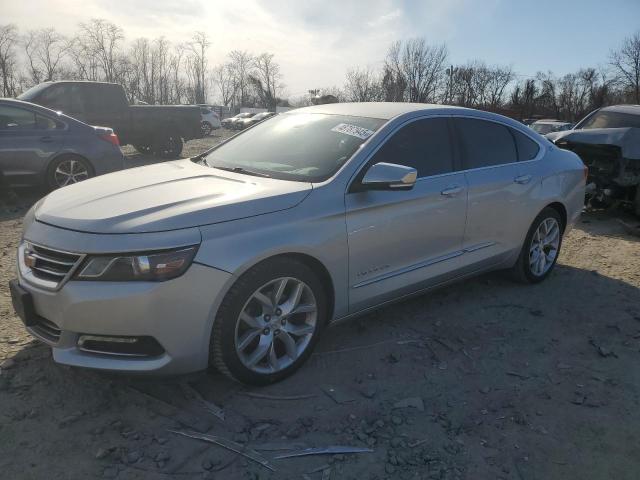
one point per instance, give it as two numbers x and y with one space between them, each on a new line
22 303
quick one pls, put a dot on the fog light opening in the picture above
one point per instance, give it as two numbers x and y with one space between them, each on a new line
120 346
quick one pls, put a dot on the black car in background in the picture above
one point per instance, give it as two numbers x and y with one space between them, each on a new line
41 147
161 129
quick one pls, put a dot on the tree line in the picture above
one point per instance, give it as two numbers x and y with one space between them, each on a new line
156 71
415 71
153 71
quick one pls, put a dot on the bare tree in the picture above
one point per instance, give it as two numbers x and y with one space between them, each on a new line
266 79
240 66
101 39
8 66
224 82
362 86
423 69
393 81
626 63
196 67
45 49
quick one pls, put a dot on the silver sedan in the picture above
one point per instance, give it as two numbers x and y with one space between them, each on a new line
240 257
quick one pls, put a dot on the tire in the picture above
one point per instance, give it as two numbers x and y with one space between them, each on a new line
206 129
144 149
525 268
67 170
235 341
169 147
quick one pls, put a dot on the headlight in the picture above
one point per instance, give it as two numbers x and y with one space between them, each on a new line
152 267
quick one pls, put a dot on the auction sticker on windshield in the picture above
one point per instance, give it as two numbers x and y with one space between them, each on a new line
353 130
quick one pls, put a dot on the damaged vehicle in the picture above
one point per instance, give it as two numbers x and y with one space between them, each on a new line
608 142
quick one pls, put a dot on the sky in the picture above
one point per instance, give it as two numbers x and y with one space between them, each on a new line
317 41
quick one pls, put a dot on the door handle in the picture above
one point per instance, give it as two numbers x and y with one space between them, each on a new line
451 191
46 139
522 179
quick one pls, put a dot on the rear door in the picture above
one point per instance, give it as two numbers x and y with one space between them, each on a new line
497 190
28 141
401 241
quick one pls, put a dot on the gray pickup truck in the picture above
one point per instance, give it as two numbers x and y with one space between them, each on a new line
161 129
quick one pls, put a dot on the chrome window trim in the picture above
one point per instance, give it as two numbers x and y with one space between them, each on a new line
446 116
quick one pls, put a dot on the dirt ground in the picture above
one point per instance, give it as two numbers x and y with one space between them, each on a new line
485 379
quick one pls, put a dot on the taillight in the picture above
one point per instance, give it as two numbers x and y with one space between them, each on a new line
112 138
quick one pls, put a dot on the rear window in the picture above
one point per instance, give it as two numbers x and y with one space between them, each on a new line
485 143
527 148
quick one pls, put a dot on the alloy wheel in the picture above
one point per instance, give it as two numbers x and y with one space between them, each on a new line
276 325
544 247
70 171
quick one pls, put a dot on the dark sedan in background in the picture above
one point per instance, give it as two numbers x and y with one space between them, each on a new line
41 147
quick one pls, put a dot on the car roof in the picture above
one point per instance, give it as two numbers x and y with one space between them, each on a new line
633 109
381 110
41 109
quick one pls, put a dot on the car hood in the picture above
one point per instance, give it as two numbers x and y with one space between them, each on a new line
628 139
166 196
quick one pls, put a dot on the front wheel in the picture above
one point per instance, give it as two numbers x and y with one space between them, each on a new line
269 322
541 248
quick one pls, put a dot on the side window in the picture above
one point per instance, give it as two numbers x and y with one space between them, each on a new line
12 118
103 99
485 143
527 148
77 102
55 97
424 145
46 123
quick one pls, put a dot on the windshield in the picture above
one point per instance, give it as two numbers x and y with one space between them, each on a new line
307 147
33 92
604 119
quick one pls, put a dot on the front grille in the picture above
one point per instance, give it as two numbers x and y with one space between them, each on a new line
46 330
49 265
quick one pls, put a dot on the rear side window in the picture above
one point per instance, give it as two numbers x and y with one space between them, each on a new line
485 143
527 148
424 145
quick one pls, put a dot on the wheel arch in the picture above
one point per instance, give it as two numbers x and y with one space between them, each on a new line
315 265
562 211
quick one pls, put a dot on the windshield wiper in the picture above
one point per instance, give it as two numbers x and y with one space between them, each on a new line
241 170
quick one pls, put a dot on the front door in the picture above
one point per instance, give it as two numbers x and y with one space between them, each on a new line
401 241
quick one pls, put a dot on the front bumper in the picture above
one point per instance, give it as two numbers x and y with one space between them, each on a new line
177 313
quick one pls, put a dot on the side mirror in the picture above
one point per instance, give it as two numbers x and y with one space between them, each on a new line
389 176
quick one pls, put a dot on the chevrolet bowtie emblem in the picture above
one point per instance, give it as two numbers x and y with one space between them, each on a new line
29 260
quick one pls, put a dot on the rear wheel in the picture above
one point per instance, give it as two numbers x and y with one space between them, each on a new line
541 248
169 147
269 322
67 170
